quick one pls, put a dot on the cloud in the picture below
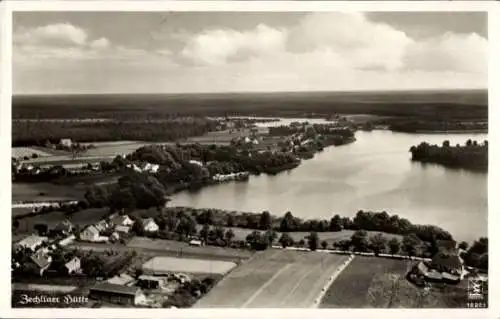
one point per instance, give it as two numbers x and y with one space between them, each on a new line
449 52
344 40
224 45
62 34
322 51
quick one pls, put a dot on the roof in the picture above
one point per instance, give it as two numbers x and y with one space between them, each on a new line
93 229
120 219
152 278
447 261
64 225
40 259
121 228
31 240
115 289
122 279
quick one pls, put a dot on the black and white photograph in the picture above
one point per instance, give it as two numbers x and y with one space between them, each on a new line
244 159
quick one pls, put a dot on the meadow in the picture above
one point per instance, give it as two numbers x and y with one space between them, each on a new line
274 278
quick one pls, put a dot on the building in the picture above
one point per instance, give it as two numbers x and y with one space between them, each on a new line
451 264
66 241
38 263
73 266
118 294
196 242
122 229
121 220
31 242
90 234
65 227
150 282
101 225
122 279
66 142
149 225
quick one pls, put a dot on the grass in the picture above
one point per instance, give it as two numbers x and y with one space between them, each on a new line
51 192
274 279
198 266
184 249
370 282
52 219
28 151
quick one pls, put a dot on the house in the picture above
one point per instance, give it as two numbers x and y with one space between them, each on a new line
122 279
66 241
196 242
66 142
448 263
31 242
149 225
115 236
73 266
38 262
101 225
122 229
118 294
65 227
121 220
91 233
150 282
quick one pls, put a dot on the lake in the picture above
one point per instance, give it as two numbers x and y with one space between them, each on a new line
374 173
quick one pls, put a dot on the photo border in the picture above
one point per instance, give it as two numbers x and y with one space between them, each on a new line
6 10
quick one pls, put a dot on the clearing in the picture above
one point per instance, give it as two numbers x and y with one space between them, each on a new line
275 278
44 192
164 265
371 282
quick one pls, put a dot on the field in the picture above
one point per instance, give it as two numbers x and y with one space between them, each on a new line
52 219
28 151
163 265
275 278
370 282
112 149
223 137
181 249
45 192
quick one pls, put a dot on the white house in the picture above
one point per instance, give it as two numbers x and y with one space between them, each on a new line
39 262
90 234
66 142
73 266
122 229
149 225
122 220
196 242
31 242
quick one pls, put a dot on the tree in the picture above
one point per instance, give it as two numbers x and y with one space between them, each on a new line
265 220
229 235
230 220
463 245
446 143
335 223
324 244
285 240
270 236
138 227
313 240
360 240
219 232
378 243
288 223
301 243
41 229
411 244
204 231
394 246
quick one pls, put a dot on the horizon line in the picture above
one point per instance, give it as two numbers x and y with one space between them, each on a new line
248 92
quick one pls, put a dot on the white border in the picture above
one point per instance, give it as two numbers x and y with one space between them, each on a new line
5 142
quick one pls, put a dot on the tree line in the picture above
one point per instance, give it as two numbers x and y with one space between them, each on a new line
472 155
28 133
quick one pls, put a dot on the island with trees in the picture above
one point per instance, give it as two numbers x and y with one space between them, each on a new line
472 155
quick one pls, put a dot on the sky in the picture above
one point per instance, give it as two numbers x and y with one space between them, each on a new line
189 52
